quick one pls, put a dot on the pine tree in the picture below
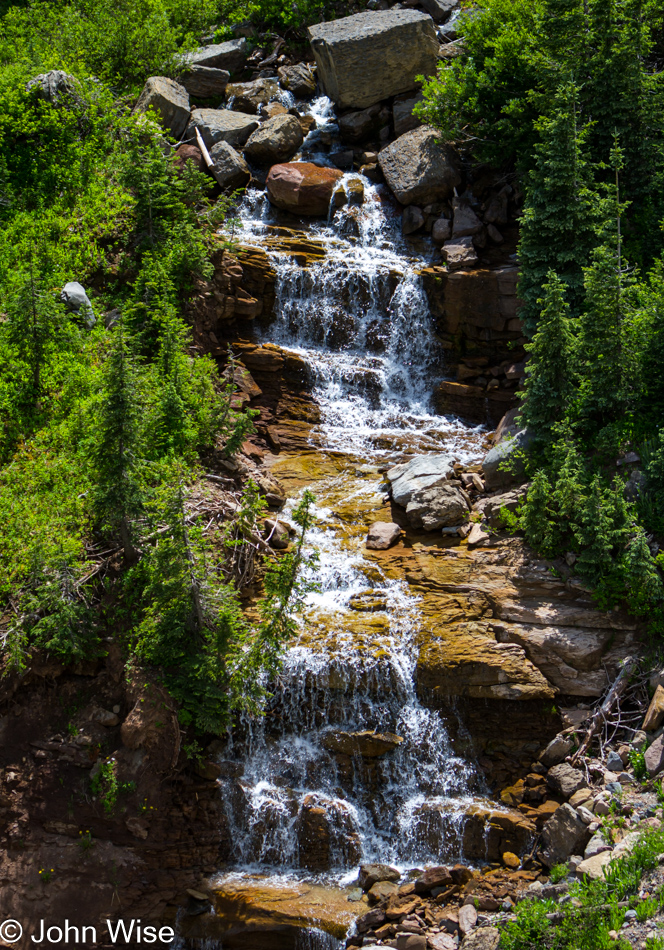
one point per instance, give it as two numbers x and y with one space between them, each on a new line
557 225
550 379
119 494
34 321
603 528
643 582
538 516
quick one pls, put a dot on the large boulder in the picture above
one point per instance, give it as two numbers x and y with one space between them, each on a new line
250 96
368 57
440 507
205 82
221 125
564 779
563 834
276 140
302 187
440 10
299 79
231 55
356 127
654 757
169 99
459 252
424 471
189 153
76 300
508 453
229 169
371 874
418 168
52 85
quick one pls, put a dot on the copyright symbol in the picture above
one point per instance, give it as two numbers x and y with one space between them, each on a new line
10 931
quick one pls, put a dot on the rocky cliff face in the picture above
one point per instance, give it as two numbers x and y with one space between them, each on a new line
70 849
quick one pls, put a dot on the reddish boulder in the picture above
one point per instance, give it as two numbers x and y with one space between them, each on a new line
302 187
189 153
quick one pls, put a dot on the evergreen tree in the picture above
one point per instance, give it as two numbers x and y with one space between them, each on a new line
550 378
35 320
538 519
603 527
557 225
118 493
643 583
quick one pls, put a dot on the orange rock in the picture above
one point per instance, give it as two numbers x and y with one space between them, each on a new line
302 187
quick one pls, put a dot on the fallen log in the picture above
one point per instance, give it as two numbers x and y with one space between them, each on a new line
619 686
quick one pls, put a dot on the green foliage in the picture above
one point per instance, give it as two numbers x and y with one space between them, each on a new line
273 13
558 873
557 226
118 498
571 96
105 785
637 760
550 382
190 621
101 428
593 911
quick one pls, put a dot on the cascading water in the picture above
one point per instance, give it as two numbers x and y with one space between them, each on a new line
347 766
359 317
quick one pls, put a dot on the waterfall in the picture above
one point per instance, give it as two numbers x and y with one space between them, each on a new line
358 315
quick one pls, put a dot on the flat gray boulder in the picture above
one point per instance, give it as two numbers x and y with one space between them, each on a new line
418 168
169 99
424 471
221 125
276 140
231 55
229 169
371 56
205 82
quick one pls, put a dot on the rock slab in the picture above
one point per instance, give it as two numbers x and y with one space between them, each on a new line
205 81
230 55
418 168
565 779
221 125
422 472
371 56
